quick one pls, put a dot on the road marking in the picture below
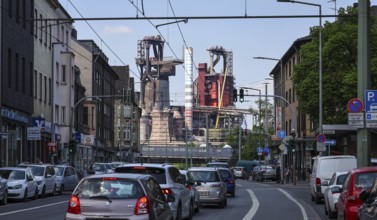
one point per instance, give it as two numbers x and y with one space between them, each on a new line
254 207
24 210
295 201
238 185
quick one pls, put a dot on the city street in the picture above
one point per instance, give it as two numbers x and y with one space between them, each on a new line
253 200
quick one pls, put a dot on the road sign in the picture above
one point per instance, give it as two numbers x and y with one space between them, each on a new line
321 146
321 138
370 101
356 120
355 105
260 151
282 134
331 142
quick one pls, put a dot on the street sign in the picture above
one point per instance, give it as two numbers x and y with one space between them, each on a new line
321 138
356 120
355 105
260 151
321 146
370 101
282 134
331 142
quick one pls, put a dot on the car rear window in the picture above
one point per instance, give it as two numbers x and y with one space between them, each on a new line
365 179
225 174
109 188
205 176
156 172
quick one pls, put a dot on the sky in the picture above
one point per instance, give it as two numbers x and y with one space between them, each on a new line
246 38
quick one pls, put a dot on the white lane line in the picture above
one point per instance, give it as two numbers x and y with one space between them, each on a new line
254 207
238 185
304 215
42 206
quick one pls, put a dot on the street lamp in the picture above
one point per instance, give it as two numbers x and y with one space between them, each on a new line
320 55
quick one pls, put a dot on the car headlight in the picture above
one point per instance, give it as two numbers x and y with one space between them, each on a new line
18 186
39 182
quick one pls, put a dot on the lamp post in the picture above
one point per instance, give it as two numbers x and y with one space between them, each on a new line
320 55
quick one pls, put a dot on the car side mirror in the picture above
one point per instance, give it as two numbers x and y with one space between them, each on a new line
198 183
336 189
189 183
325 183
364 196
169 198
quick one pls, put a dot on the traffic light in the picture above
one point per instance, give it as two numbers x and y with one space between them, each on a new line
72 146
234 95
241 95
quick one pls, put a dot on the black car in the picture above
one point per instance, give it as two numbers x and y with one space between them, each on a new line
369 198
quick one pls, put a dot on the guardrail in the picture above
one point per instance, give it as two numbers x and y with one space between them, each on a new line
180 152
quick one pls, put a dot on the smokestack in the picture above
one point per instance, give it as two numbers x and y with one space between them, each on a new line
188 90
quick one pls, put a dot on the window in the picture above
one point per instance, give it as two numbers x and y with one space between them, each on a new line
57 114
50 35
18 11
62 34
41 27
35 23
35 84
23 75
63 73
45 26
92 118
50 91
16 69
45 89
57 73
10 3
66 37
40 86
63 114
9 68
31 81
85 116
24 13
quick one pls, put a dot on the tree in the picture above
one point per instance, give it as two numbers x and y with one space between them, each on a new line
339 68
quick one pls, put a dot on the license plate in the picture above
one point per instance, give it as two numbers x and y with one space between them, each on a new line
204 193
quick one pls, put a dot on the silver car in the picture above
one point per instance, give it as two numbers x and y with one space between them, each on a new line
20 182
171 182
66 178
119 196
100 168
212 189
194 191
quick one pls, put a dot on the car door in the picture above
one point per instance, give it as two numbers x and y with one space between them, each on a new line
185 193
50 178
31 183
160 208
342 200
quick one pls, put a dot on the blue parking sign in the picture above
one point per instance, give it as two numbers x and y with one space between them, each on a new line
370 101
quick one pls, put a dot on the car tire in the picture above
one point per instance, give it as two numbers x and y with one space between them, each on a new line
312 197
24 199
197 209
332 215
4 201
317 200
191 211
43 194
35 197
179 213
53 193
61 190
326 209
233 193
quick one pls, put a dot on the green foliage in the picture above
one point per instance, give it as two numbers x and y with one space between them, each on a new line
339 68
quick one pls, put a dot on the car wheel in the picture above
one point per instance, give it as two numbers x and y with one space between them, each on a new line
326 209
24 199
233 193
53 193
312 197
4 201
43 191
35 194
61 189
332 214
191 211
179 213
197 208
317 200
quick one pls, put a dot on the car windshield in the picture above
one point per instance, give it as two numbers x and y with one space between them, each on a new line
13 174
37 171
205 176
109 188
365 179
225 174
340 179
59 171
156 172
238 169
98 167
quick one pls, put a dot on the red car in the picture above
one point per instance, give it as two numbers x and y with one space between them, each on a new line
356 181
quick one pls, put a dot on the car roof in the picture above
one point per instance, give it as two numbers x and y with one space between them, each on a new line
120 175
14 168
203 169
148 165
364 169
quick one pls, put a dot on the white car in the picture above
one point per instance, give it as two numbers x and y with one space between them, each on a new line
66 178
331 195
45 176
21 183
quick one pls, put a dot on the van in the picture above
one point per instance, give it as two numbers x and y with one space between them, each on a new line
323 169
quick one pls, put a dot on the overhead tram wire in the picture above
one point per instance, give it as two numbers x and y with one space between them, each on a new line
138 77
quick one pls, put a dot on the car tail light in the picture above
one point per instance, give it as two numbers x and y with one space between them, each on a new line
109 178
189 187
167 191
74 205
215 185
142 206
231 181
318 181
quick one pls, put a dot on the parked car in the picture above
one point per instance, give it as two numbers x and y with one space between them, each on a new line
241 172
322 170
3 191
100 168
368 210
217 164
356 181
20 182
116 164
66 178
265 173
228 177
119 196
193 188
45 176
212 188
171 182
331 196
